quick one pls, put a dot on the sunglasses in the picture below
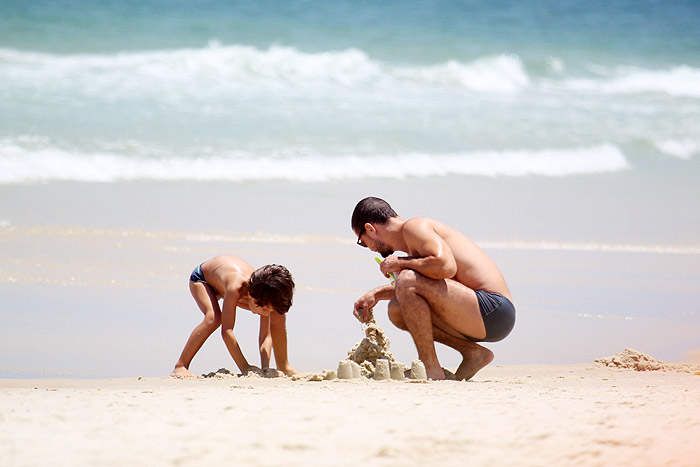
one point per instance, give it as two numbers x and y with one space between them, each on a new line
359 236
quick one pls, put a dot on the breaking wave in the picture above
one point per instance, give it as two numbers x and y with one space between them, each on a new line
38 163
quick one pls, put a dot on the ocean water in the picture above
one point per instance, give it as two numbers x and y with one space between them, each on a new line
326 91
553 128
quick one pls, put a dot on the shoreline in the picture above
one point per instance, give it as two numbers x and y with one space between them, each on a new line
90 302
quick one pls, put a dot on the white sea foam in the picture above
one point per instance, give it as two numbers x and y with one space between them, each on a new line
21 164
679 81
501 74
680 148
219 69
595 247
278 238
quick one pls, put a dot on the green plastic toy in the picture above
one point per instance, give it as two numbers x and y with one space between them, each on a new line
391 274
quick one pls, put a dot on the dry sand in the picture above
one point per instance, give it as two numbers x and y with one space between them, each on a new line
507 415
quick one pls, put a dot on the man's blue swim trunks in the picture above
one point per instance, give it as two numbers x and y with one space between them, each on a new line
498 313
197 275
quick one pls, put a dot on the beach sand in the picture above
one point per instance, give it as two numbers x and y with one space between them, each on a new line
583 414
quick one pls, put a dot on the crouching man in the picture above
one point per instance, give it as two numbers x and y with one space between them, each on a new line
447 289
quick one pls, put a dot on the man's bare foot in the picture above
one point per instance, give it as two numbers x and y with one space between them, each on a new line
436 373
475 358
182 372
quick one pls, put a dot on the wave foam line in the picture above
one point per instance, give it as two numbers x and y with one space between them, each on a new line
31 165
683 149
595 247
233 237
278 238
217 69
678 81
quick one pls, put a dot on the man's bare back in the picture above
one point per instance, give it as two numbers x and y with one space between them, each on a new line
474 267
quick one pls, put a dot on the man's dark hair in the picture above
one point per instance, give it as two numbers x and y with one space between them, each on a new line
371 210
272 285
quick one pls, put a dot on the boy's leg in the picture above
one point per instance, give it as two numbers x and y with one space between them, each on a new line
207 302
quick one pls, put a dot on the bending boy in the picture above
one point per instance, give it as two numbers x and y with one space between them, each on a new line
266 291
447 289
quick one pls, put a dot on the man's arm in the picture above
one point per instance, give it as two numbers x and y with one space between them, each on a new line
278 330
228 320
364 305
431 257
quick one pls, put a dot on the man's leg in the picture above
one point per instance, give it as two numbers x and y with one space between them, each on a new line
474 356
416 314
452 312
207 302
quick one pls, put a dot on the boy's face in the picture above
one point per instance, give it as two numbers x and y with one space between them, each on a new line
261 310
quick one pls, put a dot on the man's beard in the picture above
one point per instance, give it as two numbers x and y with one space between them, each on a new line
384 250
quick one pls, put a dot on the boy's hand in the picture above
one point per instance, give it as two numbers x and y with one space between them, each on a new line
251 369
272 372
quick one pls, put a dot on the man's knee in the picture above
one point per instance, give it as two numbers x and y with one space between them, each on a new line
395 315
407 282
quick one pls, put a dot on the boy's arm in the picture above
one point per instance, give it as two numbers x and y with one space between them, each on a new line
228 320
265 341
278 330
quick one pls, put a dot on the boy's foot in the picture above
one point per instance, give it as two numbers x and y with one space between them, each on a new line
182 372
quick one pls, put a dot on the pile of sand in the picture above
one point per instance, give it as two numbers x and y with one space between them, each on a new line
375 345
223 373
638 361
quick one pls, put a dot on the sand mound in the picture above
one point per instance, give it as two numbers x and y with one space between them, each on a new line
638 361
223 373
375 345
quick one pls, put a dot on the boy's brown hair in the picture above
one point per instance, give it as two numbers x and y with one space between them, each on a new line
272 285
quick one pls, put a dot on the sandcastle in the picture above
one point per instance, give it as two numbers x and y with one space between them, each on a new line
374 346
372 358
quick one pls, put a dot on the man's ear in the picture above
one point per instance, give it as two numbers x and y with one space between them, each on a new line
369 227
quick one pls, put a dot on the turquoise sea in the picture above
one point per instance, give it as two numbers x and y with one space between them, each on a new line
321 91
545 126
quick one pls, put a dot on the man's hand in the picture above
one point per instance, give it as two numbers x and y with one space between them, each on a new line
363 306
390 264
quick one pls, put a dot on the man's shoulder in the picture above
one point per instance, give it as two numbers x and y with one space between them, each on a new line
417 224
420 226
